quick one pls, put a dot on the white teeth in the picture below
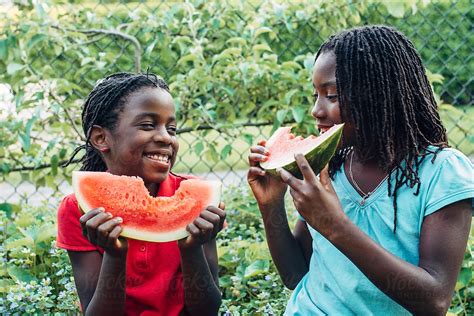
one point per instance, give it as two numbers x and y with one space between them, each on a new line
162 158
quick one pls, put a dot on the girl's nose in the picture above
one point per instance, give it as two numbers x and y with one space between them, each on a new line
318 111
162 136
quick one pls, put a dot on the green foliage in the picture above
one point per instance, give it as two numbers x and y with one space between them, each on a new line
36 277
227 63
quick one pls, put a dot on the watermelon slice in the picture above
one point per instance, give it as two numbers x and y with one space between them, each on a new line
157 219
283 146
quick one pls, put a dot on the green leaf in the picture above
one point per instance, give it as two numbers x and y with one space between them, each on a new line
264 30
237 40
465 276
87 60
395 8
20 274
7 208
35 40
20 242
261 47
46 232
298 114
290 95
225 151
248 138
256 268
6 285
3 50
150 47
198 148
54 164
186 58
281 115
12 68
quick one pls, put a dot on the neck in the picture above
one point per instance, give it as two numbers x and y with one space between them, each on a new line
152 188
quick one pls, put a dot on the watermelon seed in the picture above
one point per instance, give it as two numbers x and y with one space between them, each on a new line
127 196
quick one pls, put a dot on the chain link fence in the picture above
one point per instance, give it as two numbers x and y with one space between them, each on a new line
441 31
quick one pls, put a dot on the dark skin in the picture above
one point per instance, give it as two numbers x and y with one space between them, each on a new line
146 130
441 247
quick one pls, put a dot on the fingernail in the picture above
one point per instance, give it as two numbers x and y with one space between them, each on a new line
101 209
119 219
109 214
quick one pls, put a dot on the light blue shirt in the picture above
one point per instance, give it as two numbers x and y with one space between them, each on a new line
333 284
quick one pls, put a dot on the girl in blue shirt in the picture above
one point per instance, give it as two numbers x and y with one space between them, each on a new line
385 226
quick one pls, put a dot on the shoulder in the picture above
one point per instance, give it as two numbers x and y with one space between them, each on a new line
69 206
448 159
446 177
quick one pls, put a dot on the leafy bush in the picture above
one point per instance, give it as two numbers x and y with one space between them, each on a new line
36 277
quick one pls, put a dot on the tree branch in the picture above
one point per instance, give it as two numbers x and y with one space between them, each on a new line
116 33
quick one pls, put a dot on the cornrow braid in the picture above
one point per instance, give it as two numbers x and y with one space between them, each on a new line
102 107
383 90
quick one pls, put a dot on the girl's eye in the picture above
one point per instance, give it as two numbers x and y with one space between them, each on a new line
172 130
332 97
147 125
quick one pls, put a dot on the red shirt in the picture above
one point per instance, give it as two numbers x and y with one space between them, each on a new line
154 282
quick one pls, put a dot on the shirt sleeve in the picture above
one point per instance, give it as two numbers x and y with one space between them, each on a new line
452 182
69 228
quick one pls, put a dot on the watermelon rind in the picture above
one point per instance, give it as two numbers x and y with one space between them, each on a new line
138 234
318 157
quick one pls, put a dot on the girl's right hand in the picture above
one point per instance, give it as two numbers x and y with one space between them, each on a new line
103 230
268 190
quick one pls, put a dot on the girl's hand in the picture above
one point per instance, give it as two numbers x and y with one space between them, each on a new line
205 227
268 190
103 230
316 200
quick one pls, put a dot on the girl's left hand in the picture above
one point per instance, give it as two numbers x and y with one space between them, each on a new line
205 227
315 199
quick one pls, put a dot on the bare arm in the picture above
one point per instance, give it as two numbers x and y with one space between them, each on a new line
100 282
199 263
425 289
289 252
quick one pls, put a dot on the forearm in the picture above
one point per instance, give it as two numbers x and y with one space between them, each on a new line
285 250
201 293
409 285
109 296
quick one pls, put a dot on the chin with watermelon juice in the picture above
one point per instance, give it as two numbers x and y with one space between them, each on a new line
141 239
383 217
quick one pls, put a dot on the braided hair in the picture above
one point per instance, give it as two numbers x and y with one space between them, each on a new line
383 91
103 106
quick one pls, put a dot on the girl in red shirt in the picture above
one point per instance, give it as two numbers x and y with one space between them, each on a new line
130 126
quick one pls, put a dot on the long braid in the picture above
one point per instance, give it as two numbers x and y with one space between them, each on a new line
383 90
103 106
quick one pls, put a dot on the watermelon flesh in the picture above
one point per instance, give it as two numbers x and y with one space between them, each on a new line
157 219
283 146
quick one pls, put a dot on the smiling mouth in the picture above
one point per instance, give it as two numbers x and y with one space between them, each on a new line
324 129
158 157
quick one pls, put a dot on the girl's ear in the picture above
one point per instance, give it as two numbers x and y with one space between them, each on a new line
99 138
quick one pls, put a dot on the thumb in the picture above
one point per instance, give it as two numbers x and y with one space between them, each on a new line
222 205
